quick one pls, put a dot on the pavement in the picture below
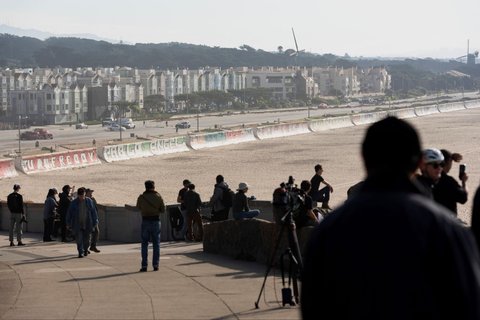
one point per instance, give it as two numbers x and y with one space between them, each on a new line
48 281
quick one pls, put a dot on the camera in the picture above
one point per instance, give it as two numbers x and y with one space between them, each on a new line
461 171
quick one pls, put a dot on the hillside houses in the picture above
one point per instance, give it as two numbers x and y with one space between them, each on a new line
60 95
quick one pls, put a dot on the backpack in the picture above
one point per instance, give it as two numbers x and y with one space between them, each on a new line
227 197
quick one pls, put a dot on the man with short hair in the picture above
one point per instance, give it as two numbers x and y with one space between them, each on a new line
94 236
317 194
389 252
82 217
219 211
63 204
193 203
17 215
183 209
151 205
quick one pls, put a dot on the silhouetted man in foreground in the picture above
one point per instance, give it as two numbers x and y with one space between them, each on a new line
390 252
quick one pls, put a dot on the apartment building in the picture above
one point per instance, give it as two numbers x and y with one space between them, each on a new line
280 81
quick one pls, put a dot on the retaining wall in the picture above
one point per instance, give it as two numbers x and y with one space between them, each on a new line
221 138
447 107
367 118
331 123
426 110
7 169
403 113
57 161
281 130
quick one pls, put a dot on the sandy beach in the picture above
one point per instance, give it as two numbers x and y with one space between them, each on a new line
262 164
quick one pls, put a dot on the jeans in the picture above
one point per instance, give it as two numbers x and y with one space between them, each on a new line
246 214
150 232
195 216
15 225
183 231
322 195
47 229
82 237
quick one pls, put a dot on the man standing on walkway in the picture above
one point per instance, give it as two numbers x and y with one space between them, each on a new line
150 204
82 217
193 203
63 204
96 231
390 252
183 208
317 194
17 215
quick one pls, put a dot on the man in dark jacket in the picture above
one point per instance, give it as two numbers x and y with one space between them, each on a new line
17 215
82 217
63 204
150 203
193 203
390 252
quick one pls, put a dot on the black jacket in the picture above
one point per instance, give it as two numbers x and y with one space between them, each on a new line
15 202
448 192
391 253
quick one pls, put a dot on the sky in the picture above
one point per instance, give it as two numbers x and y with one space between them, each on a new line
368 28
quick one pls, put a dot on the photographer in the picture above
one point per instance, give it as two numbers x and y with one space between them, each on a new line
303 214
447 191
280 202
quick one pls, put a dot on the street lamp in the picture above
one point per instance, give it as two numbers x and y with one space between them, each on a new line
19 139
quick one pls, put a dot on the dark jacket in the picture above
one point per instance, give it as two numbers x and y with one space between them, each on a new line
216 199
448 192
73 215
240 202
150 203
64 203
192 201
50 207
15 202
391 253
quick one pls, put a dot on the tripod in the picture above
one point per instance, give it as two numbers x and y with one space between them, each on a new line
293 253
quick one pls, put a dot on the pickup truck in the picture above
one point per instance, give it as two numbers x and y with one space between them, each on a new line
36 134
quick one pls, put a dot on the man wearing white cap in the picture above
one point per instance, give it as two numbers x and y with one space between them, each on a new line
240 206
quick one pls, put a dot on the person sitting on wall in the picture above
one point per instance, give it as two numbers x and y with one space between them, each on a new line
240 207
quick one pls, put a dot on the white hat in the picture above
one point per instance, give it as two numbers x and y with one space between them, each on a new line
242 186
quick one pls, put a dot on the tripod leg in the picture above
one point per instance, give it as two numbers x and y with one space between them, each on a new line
294 262
270 264
293 243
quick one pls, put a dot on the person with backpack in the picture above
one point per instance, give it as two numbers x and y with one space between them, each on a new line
221 200
302 211
240 208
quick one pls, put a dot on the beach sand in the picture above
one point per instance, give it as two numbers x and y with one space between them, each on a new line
262 164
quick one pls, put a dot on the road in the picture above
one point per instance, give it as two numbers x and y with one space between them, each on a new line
68 135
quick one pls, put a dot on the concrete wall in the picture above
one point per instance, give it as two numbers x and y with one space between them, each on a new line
120 224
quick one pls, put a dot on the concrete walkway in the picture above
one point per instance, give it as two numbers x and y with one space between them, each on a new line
48 281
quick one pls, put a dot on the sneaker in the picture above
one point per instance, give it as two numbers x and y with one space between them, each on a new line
80 255
94 249
86 253
12 244
20 243
143 269
155 268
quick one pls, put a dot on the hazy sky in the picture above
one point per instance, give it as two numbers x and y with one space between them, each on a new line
420 28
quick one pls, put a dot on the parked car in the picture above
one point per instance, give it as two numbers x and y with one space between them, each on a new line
183 125
36 134
107 121
115 127
81 125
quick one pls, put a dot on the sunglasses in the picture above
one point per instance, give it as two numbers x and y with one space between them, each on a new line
437 165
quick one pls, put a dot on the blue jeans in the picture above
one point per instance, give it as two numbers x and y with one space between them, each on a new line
150 232
246 214
183 231
322 195
82 237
